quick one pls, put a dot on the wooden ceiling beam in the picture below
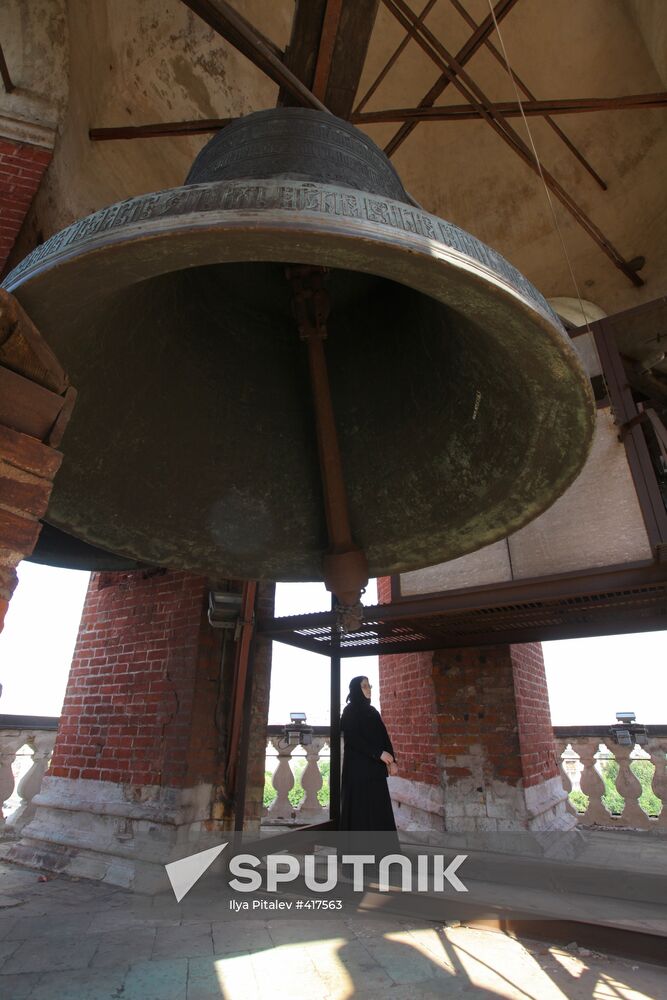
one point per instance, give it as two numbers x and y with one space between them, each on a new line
304 45
228 23
355 26
325 54
464 55
327 50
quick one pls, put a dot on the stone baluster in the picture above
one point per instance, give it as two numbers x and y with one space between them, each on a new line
569 774
629 787
311 780
283 780
31 782
591 785
658 749
10 742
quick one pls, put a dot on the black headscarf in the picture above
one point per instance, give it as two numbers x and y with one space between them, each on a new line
356 698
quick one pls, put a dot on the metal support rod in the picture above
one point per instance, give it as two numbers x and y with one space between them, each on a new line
512 109
345 569
159 130
334 734
240 675
475 96
241 775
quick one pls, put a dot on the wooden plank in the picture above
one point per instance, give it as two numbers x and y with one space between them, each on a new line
24 452
26 406
328 49
301 53
328 36
355 27
24 350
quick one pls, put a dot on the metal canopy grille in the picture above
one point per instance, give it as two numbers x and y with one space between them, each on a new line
400 627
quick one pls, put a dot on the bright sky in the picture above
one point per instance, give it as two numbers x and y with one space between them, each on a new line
589 679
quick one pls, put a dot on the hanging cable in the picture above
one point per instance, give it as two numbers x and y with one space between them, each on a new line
539 168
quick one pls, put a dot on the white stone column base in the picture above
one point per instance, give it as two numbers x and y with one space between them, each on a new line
119 834
427 811
418 809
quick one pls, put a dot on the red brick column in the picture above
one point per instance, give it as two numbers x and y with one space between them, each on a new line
531 697
473 737
22 166
143 685
140 754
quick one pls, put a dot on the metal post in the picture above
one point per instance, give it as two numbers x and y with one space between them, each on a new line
241 776
334 738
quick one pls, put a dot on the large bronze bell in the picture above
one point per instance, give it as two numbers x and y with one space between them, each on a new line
461 409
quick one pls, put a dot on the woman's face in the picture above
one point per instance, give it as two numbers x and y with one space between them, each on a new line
366 688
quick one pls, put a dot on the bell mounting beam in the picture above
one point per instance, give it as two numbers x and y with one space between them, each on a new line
512 109
458 6
413 26
473 94
328 48
228 23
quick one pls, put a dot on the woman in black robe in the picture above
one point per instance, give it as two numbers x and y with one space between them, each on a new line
369 759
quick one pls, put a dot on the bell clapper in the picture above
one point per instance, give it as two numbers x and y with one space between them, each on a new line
344 566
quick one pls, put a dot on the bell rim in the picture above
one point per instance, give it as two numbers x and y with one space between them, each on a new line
331 233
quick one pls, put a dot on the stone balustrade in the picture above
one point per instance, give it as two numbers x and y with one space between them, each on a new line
611 785
283 760
26 745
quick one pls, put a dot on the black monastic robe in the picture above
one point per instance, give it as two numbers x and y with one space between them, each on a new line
365 802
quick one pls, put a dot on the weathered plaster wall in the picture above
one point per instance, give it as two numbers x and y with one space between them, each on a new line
137 63
35 44
466 173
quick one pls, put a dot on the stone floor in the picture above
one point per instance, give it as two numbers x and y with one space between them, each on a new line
65 939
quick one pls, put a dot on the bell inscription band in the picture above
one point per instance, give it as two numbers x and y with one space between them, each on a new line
457 408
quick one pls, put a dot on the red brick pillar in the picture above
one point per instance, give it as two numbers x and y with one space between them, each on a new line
22 166
137 777
473 737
